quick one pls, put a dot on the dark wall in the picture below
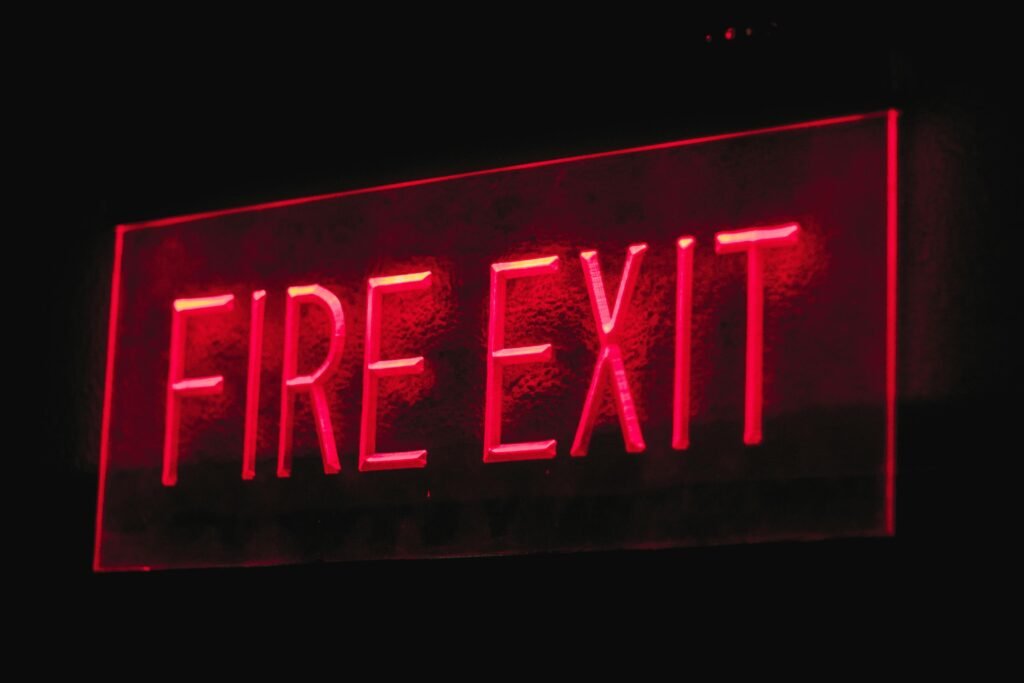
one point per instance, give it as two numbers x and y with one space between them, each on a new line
164 127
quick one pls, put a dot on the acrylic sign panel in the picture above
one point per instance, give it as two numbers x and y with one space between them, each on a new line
682 344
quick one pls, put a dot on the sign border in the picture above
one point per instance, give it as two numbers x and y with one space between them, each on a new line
892 211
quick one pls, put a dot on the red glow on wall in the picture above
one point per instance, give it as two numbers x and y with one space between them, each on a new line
514 332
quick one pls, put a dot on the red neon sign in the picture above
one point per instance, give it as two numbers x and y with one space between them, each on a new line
710 322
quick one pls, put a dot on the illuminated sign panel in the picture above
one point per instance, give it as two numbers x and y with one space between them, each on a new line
681 344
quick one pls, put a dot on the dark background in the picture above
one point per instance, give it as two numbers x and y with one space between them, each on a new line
156 123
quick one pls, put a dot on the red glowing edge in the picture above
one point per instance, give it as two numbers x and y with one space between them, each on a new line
891 240
890 115
163 222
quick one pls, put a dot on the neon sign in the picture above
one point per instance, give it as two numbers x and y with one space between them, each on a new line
686 343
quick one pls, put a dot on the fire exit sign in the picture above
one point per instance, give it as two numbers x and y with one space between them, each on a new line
679 344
